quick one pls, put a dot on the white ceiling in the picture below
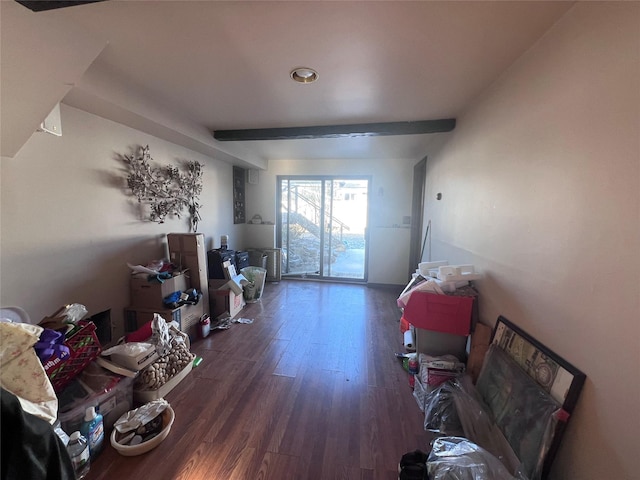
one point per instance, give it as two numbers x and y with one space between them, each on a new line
181 69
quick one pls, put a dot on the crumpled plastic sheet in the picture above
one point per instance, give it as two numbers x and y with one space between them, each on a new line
73 312
479 425
425 286
245 321
455 409
133 419
152 268
441 410
130 349
160 335
457 458
225 323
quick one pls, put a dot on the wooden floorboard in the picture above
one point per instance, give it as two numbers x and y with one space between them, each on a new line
310 390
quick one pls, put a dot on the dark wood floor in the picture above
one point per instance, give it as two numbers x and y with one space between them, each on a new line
310 390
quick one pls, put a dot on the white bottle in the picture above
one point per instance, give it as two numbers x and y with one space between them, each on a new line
78 449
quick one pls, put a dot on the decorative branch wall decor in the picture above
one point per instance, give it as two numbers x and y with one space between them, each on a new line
167 191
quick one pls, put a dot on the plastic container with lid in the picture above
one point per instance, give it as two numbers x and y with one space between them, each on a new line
111 397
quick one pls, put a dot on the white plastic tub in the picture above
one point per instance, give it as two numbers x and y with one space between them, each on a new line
168 416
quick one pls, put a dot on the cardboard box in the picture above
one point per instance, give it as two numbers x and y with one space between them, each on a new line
187 251
146 294
136 362
440 313
480 339
223 299
186 316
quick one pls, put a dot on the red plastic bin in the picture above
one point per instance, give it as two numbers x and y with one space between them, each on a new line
84 346
439 313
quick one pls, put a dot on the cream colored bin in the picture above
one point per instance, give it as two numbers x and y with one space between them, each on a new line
145 396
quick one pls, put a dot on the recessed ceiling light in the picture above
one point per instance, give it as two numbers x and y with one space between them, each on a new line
304 75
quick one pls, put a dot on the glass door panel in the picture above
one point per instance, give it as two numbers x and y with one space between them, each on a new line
301 226
322 226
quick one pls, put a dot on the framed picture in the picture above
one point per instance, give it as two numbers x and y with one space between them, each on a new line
549 370
239 210
555 375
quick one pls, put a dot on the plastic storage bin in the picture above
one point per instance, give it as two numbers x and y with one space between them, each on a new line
256 276
84 346
111 394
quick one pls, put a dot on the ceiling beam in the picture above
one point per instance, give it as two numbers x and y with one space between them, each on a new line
337 131
44 5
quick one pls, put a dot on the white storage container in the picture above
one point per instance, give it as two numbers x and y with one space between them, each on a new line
145 396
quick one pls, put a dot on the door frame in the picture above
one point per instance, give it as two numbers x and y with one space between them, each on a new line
417 214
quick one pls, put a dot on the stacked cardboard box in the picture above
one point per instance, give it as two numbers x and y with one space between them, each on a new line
151 294
187 251
147 299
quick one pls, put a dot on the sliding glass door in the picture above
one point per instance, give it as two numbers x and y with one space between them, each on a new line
322 225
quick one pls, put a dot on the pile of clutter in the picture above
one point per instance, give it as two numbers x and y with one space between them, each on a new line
54 372
158 351
437 312
38 361
162 287
429 372
441 278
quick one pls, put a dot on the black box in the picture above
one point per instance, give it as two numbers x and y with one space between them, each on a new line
242 260
215 259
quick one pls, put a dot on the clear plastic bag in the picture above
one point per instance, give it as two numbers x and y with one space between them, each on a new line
479 425
456 458
506 413
524 414
440 414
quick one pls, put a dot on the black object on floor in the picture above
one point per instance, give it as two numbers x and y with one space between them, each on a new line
413 466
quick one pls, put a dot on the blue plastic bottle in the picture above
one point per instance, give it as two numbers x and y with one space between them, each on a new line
93 430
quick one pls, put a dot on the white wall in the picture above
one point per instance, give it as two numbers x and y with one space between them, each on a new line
69 226
390 200
540 191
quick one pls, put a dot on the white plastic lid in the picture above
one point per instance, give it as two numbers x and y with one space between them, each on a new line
74 436
90 414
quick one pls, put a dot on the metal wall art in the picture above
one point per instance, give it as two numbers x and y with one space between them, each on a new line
166 190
